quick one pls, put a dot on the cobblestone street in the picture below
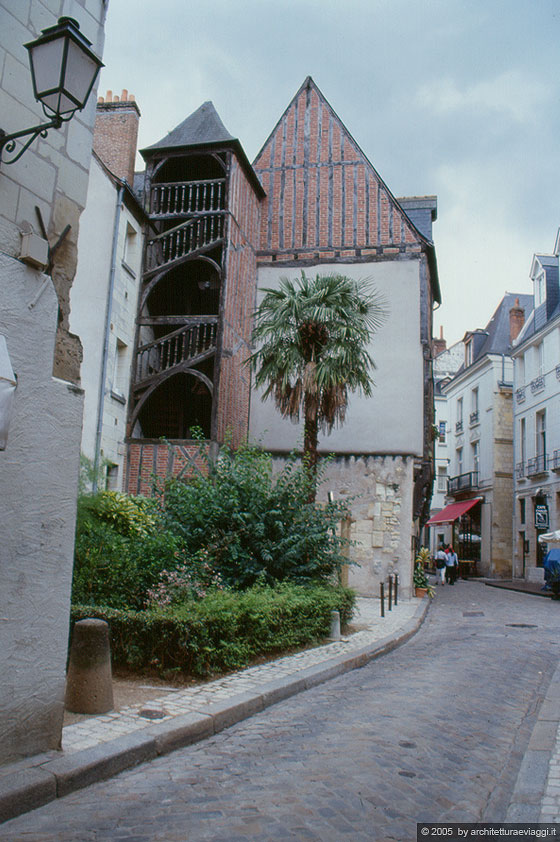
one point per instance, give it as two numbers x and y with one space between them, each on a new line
435 730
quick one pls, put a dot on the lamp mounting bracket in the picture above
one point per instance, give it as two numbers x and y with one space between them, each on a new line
8 141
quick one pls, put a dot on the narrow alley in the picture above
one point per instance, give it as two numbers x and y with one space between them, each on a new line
434 731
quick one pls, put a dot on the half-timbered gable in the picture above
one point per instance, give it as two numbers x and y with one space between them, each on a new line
325 199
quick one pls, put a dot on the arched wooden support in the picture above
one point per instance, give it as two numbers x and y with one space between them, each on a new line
161 379
161 275
184 154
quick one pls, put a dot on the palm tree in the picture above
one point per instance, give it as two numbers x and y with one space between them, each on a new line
312 337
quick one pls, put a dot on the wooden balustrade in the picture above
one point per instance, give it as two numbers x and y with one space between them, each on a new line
184 344
181 198
193 235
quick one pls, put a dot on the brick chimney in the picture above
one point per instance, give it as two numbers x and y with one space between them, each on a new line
439 345
516 320
116 133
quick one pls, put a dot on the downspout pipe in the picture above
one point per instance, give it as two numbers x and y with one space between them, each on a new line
106 339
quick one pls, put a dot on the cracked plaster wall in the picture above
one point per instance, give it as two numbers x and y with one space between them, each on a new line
39 468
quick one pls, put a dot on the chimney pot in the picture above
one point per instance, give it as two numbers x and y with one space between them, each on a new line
516 321
439 345
115 136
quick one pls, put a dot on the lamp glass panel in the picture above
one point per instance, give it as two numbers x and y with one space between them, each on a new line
80 73
46 61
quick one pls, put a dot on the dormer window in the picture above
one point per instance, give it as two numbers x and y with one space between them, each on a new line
468 352
540 288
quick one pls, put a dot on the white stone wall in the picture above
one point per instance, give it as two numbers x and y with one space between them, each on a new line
53 170
39 468
38 487
391 421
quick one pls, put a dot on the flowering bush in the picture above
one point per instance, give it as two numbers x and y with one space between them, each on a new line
186 582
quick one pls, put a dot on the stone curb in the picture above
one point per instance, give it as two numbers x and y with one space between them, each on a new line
530 785
44 780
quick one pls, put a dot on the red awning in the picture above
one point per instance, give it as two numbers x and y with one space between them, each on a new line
453 511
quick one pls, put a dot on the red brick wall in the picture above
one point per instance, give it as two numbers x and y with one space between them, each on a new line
239 303
164 459
115 136
325 200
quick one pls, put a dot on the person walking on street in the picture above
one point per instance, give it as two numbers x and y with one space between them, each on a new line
441 562
452 565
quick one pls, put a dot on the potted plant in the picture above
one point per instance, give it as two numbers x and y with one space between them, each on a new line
419 578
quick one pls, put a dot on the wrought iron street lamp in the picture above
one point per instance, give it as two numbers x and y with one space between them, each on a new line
63 71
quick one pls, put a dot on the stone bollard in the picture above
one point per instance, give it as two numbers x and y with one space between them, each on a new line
335 626
89 687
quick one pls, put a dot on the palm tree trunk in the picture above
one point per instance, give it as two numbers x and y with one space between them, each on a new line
310 440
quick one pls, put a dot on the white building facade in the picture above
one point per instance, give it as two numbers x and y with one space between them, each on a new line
104 304
478 515
445 365
537 421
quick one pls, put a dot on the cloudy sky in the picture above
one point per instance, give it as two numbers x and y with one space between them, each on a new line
458 98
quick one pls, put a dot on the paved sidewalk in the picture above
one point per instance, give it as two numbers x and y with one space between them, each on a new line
102 746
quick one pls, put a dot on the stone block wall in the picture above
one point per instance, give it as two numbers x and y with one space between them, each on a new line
379 491
502 493
53 173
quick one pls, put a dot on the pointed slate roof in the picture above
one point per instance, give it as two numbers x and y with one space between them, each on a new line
325 198
201 127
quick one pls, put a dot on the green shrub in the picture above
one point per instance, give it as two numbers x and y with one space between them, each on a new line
255 525
121 550
225 630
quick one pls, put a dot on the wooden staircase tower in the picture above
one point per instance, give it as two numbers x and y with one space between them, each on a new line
194 323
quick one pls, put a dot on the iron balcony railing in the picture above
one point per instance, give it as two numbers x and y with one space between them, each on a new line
520 470
537 465
182 198
195 235
462 482
473 418
184 344
556 460
537 385
459 427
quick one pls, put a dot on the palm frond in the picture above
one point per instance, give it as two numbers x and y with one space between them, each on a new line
312 337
